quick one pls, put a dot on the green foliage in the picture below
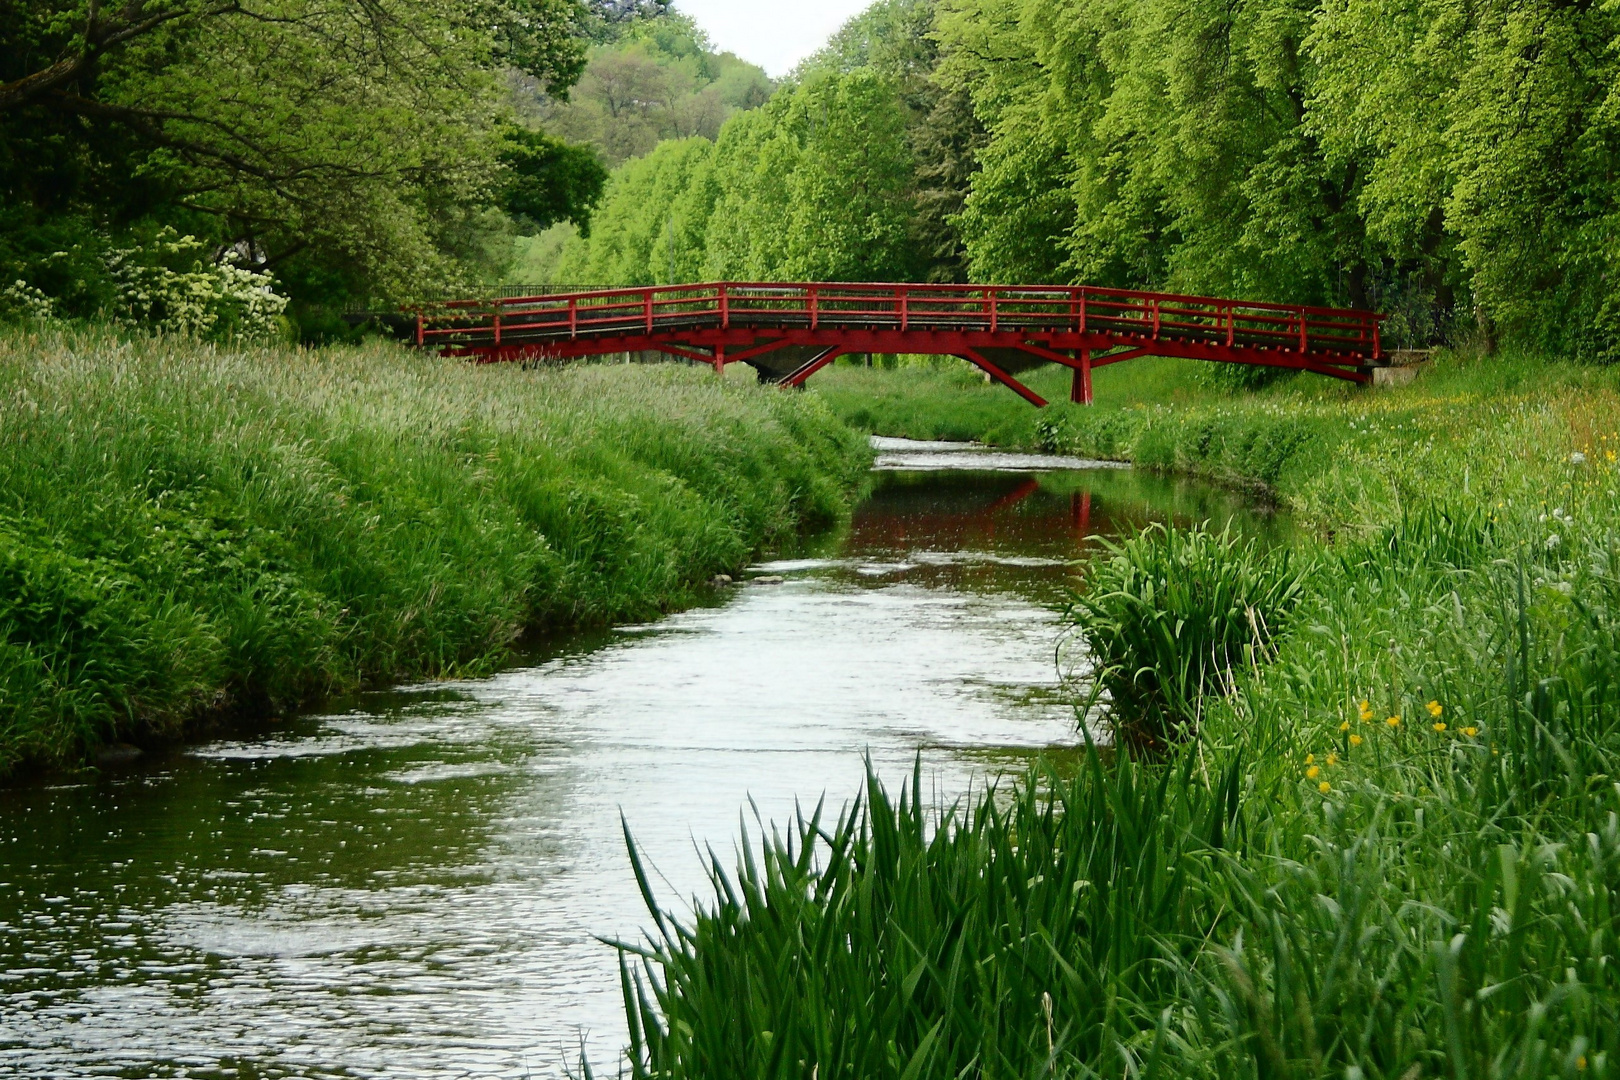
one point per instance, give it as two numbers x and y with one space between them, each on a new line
893 38
356 156
656 77
1448 161
811 187
1388 850
1171 616
549 181
853 171
849 220
631 242
186 530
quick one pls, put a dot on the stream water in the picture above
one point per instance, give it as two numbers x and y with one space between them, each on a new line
415 883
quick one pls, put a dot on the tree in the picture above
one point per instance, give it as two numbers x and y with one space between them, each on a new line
849 218
853 170
658 77
548 180
352 146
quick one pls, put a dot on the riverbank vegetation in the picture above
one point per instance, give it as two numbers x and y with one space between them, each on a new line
191 531
1336 455
1370 831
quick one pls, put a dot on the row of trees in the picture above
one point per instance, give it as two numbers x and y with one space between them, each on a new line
852 170
1457 163
353 148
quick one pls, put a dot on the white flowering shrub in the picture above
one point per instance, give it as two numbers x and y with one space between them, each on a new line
22 299
170 284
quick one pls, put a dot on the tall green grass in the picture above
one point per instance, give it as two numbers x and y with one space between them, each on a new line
188 531
1301 889
1388 849
1172 616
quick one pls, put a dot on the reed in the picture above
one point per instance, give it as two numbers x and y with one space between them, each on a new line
1369 860
1172 616
189 531
1388 849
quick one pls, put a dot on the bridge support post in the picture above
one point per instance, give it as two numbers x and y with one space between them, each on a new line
977 358
1080 390
719 359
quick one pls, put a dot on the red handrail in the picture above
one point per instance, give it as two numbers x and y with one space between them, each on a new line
1153 320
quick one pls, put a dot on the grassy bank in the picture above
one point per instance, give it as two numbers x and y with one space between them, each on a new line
1337 454
189 532
1369 829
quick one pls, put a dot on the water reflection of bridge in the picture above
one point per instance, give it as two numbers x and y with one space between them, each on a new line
788 332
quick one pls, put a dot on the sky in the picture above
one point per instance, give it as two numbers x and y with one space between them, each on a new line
775 34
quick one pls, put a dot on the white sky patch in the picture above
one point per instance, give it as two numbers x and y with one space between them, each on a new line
775 34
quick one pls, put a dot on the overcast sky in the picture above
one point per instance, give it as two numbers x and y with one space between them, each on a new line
775 34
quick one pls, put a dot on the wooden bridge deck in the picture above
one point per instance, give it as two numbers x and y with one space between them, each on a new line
790 330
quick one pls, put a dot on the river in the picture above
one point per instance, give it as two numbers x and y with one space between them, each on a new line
415 883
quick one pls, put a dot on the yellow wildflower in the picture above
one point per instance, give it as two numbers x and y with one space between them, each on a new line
1470 731
1309 758
1393 721
1580 1062
1345 726
1355 740
1313 772
1440 726
1324 787
1366 713
1434 708
1333 759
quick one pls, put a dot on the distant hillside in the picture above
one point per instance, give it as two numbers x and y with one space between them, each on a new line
655 77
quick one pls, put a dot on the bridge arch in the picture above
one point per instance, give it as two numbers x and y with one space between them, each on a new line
789 331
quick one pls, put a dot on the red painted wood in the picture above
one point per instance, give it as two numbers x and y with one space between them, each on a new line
1055 322
1003 378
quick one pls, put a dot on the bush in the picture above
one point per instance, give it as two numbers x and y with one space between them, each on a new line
1170 616
22 300
167 284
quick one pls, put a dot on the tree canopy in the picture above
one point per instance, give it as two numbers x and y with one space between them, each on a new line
353 147
1457 164
652 78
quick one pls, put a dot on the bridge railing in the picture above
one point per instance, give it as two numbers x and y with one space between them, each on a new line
1126 315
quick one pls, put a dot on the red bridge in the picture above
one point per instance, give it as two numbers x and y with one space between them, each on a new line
788 332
